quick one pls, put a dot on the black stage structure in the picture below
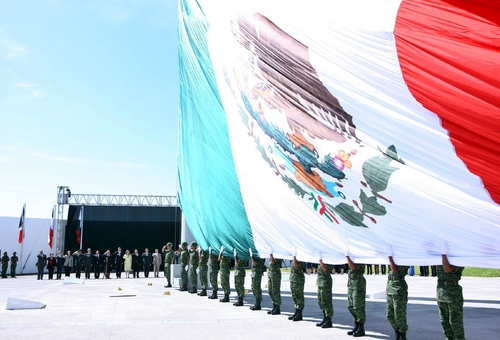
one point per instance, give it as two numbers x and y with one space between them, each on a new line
129 227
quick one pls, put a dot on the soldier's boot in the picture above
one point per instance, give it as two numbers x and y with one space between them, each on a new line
319 324
184 288
193 290
356 325
291 317
271 311
256 306
402 336
203 292
398 336
214 295
298 316
239 302
225 299
328 323
360 331
276 311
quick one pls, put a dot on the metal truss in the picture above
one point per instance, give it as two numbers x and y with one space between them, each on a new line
123 200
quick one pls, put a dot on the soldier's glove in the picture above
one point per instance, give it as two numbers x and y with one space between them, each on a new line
346 251
250 252
390 250
197 270
294 252
444 248
221 250
320 255
186 267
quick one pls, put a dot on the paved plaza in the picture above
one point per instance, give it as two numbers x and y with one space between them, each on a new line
143 309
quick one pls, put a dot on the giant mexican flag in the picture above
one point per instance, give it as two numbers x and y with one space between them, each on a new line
312 127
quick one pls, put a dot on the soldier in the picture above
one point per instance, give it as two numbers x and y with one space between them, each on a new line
356 293
5 264
325 284
193 270
450 298
169 259
214 271
224 275
203 271
274 283
184 266
297 282
397 297
239 279
13 264
257 271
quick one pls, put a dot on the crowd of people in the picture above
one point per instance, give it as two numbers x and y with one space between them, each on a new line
195 262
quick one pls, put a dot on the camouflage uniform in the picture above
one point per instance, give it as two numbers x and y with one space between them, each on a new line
325 285
397 298
193 265
169 256
5 265
450 303
184 262
13 265
297 282
356 293
204 269
224 275
239 278
274 282
257 271
214 271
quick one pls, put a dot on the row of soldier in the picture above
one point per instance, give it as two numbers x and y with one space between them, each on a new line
449 292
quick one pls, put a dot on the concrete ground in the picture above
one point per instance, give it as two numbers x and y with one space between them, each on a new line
98 309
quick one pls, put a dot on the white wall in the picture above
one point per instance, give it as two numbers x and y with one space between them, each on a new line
36 236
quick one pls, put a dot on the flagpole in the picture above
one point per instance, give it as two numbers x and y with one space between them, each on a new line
81 229
23 217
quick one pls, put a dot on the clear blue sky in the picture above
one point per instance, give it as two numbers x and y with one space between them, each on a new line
88 99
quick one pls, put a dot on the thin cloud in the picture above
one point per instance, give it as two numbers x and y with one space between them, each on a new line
73 160
4 160
37 94
26 84
126 165
15 51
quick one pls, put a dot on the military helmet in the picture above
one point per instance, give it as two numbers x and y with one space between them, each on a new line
170 244
184 244
194 244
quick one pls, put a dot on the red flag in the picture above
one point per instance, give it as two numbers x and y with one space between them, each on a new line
51 229
21 225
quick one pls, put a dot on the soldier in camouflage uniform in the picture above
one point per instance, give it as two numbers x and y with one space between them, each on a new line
257 271
184 266
169 259
224 276
397 298
356 294
274 284
297 282
203 259
214 271
325 286
193 266
13 264
239 279
450 298
5 265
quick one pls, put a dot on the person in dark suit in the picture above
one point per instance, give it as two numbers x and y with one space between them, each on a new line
118 262
41 262
59 264
77 261
97 264
136 263
146 262
88 260
106 264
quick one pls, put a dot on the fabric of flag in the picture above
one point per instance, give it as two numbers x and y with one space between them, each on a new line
21 225
51 228
342 126
79 226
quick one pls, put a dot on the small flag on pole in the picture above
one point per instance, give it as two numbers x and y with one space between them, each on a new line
79 227
21 225
51 229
